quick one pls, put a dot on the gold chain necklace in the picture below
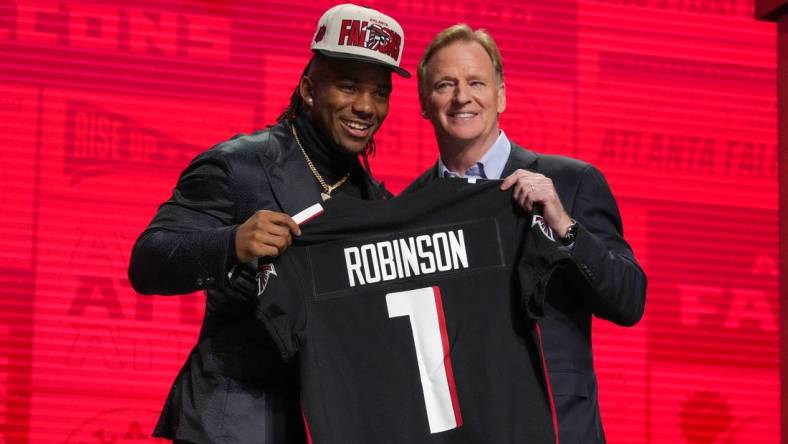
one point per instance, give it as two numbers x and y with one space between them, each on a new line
327 189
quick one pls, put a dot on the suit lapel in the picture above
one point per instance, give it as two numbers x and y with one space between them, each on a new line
422 181
292 184
430 175
528 160
519 158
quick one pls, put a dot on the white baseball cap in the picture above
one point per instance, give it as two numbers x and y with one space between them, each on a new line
354 32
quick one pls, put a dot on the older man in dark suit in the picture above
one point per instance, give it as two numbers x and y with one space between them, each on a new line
462 93
231 206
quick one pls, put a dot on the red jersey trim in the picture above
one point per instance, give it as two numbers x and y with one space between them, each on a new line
455 402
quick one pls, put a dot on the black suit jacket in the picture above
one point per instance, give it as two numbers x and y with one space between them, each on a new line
605 281
233 387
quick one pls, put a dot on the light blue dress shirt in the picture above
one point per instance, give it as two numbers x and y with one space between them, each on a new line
490 166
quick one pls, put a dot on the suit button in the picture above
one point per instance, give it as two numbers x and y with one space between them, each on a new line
587 271
209 281
200 282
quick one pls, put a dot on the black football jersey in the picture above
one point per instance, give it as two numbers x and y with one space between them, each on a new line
414 319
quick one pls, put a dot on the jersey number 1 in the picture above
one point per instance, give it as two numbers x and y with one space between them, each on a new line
424 307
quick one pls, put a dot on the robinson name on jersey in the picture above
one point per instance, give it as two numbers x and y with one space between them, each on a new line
405 257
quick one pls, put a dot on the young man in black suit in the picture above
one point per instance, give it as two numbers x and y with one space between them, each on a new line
462 93
231 206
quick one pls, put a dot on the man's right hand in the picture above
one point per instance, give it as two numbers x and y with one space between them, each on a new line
266 233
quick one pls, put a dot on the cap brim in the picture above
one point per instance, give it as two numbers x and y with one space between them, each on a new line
360 58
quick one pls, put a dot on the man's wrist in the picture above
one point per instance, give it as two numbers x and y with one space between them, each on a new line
570 234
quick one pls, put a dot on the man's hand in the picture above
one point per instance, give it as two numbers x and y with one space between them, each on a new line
266 233
534 189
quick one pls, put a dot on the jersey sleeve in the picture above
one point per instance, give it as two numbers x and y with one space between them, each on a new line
540 260
281 295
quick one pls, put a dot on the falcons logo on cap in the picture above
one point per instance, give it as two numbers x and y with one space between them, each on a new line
378 36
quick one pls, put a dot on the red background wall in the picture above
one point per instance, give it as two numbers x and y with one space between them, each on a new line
101 106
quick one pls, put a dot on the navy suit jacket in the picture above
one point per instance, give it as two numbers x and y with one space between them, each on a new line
605 281
233 387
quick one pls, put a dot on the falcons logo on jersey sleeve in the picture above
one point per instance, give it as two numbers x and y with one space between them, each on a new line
264 272
543 227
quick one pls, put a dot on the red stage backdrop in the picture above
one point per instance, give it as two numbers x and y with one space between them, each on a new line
101 107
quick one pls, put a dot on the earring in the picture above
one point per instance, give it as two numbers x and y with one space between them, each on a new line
309 101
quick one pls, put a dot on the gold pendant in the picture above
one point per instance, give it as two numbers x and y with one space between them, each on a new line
325 196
